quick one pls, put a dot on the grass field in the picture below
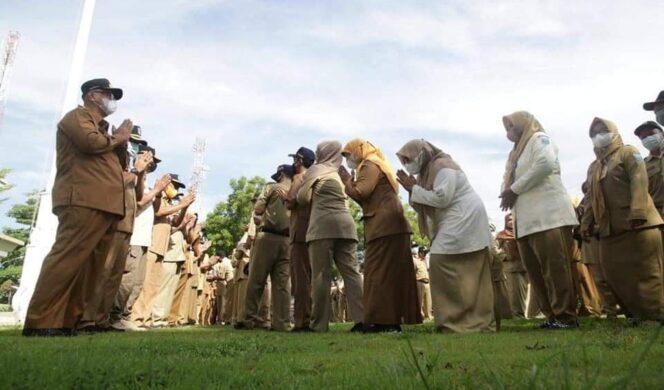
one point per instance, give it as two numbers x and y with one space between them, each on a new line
602 354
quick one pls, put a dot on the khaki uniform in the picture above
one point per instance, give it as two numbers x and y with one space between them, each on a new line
547 256
170 279
423 287
501 302
300 265
241 276
225 291
655 169
516 277
331 237
590 254
161 234
99 308
270 258
88 198
631 259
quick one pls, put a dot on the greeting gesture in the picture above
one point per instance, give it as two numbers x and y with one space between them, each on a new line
406 180
344 175
143 161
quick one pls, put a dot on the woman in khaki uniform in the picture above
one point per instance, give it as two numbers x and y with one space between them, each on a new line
390 289
331 236
627 223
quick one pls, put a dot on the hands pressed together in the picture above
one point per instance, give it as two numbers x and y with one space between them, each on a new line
406 180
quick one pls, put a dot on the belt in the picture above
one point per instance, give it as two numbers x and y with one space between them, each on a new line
284 233
425 281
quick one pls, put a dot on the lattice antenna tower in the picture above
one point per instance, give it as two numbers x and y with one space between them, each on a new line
8 55
199 170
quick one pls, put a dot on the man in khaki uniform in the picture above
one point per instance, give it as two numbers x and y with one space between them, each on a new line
423 288
88 198
270 255
97 313
172 265
241 276
652 138
225 286
161 233
300 266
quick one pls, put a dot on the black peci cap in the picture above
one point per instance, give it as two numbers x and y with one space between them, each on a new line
101 85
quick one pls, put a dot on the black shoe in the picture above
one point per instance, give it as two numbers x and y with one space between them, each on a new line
357 328
561 325
378 328
90 329
545 325
48 332
241 326
302 329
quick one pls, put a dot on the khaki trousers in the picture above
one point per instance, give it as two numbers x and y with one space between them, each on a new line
323 253
192 314
143 305
632 264
170 278
70 271
300 268
547 257
240 298
517 291
98 309
462 291
207 304
592 259
180 304
226 310
269 258
131 284
424 296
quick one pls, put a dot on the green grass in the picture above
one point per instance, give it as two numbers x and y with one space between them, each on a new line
602 354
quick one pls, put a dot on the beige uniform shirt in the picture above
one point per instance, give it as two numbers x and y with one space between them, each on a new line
656 181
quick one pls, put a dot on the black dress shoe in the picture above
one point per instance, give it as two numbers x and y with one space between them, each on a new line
378 328
357 328
302 329
562 325
545 325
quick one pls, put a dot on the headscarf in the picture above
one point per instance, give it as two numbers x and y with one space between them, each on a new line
525 125
433 160
508 232
328 160
598 204
365 151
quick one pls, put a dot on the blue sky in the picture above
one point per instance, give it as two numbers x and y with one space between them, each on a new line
258 79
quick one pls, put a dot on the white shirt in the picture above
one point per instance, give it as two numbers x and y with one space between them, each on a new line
143 222
543 201
463 225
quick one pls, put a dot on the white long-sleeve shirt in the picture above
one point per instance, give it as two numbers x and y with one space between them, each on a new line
543 202
461 219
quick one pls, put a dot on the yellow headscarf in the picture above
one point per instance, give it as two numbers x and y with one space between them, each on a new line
364 151
599 206
526 126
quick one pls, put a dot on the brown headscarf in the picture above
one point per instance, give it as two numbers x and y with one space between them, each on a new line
365 151
433 160
525 125
598 204
508 232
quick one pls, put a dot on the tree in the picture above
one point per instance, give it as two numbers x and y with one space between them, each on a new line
411 216
4 186
356 212
23 214
225 225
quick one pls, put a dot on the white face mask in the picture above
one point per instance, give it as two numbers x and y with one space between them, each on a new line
108 105
652 142
415 166
351 162
602 140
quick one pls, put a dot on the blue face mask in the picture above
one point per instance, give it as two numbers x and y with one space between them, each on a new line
652 142
132 149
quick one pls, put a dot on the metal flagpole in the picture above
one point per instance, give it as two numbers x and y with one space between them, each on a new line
43 234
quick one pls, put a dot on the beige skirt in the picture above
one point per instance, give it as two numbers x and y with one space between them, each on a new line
462 292
632 265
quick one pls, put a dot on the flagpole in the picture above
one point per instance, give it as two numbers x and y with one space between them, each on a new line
43 233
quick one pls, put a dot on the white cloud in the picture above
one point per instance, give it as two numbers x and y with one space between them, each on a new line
258 79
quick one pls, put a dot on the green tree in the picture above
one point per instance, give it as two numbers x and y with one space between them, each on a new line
356 212
23 214
226 224
411 216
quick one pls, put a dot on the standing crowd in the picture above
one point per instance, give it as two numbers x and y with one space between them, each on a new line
131 257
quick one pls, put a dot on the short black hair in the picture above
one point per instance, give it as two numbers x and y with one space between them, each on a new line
221 253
